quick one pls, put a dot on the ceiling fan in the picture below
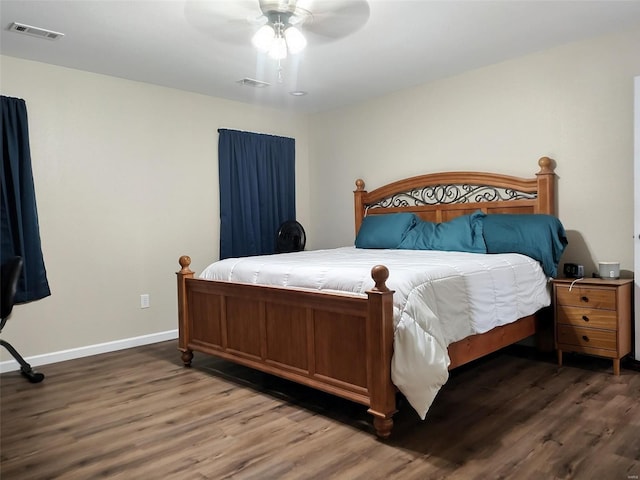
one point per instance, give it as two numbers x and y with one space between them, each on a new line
277 26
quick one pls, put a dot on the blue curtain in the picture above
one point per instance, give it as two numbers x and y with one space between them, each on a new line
20 231
257 191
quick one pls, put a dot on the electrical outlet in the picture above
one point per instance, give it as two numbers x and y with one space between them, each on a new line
144 301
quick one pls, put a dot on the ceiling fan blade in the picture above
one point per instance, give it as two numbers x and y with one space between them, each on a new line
334 19
228 21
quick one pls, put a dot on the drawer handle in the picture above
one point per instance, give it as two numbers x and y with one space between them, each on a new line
585 338
584 299
585 318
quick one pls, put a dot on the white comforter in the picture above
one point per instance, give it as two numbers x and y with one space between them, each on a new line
441 297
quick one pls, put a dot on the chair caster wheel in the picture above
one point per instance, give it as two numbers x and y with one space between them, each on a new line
32 376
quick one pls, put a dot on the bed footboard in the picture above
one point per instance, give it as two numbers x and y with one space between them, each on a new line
338 343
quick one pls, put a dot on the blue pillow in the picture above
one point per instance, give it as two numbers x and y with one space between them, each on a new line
541 237
462 234
384 231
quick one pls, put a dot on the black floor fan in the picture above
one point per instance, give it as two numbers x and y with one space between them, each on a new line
291 237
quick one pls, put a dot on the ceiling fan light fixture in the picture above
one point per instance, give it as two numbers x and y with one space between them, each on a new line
295 40
278 50
279 36
264 38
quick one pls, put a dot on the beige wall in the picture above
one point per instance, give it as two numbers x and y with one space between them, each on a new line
126 173
126 179
574 104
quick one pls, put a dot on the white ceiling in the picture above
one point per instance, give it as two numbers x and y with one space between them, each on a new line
204 46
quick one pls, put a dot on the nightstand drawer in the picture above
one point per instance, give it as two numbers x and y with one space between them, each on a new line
587 317
587 337
586 297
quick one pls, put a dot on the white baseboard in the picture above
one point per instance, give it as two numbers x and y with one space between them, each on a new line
63 355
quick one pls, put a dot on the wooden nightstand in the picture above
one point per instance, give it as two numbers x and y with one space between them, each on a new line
593 317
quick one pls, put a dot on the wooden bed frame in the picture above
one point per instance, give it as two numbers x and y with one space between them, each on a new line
341 343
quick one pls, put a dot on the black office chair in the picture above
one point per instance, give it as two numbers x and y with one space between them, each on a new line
10 274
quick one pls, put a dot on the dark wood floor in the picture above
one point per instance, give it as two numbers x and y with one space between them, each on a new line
138 414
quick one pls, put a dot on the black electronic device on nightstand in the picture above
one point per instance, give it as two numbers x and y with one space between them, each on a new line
573 270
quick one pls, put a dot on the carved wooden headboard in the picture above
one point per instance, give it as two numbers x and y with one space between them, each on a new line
438 197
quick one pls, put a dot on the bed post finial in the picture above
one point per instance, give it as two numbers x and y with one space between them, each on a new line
380 274
359 185
184 262
546 165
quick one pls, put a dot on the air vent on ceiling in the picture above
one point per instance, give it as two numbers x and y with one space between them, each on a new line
250 82
35 31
